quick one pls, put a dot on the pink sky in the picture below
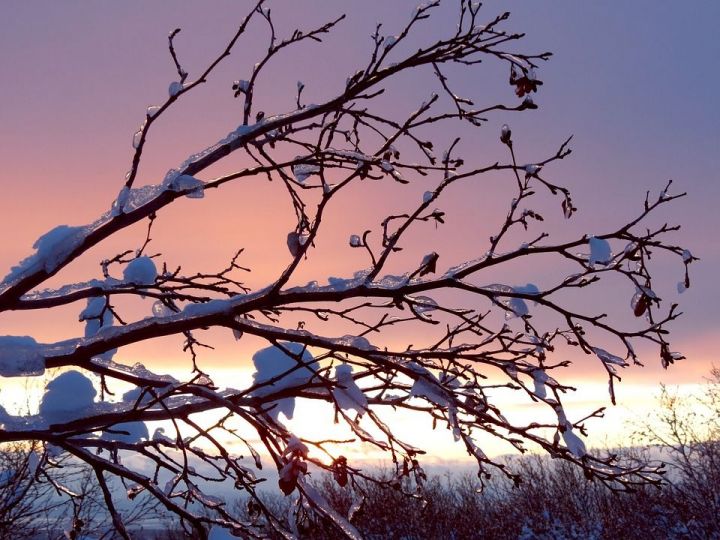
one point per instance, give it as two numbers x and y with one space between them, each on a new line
637 88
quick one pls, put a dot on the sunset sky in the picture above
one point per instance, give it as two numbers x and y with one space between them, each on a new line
634 82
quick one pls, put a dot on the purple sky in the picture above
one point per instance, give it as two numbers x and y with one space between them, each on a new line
635 82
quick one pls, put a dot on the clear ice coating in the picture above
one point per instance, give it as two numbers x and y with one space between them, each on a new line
609 358
118 205
427 386
516 307
324 506
423 304
391 281
127 432
302 171
129 200
193 187
357 342
161 310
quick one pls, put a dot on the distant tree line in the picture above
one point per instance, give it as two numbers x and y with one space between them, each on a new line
555 500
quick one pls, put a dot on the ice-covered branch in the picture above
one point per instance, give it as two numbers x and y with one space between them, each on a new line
467 332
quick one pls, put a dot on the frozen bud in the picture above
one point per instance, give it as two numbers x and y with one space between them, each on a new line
293 243
241 86
300 86
505 134
528 103
639 304
386 166
137 138
355 241
631 251
423 304
295 447
532 169
427 196
429 264
175 88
